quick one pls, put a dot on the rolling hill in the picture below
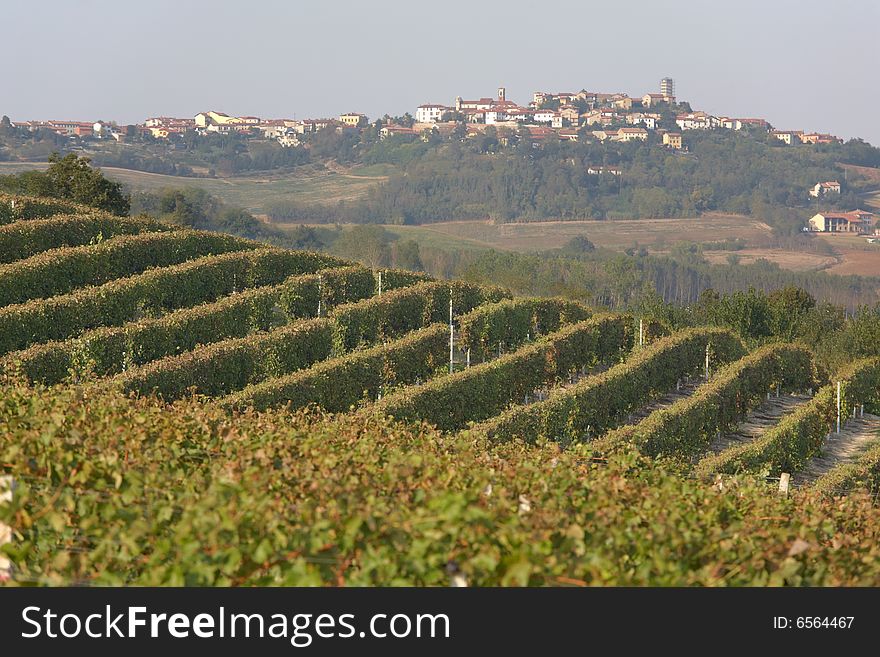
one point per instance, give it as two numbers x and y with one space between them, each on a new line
183 407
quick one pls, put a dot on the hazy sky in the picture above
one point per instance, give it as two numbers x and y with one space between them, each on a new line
805 64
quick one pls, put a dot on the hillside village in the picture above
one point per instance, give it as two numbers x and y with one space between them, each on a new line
581 116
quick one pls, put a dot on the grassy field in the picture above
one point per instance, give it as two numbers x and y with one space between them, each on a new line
793 260
253 192
852 254
855 255
616 234
658 234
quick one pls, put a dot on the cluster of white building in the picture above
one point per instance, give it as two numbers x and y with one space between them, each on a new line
549 115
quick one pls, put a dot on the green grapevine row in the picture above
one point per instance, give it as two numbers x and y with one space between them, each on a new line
16 208
342 382
115 491
863 473
339 383
597 403
112 349
506 324
24 239
401 311
62 270
230 365
151 293
477 393
688 426
787 446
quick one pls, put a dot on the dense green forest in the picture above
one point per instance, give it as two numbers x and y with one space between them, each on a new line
480 178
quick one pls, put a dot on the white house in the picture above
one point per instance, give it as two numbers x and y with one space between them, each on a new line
495 115
544 116
430 113
822 188
695 121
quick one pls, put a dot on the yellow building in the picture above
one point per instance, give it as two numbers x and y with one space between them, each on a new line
672 139
353 119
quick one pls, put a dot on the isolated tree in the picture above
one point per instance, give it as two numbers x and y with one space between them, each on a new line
72 177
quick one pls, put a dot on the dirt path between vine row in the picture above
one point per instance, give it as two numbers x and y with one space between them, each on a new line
764 417
847 446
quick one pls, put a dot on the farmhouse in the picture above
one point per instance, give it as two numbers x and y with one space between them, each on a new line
856 221
822 188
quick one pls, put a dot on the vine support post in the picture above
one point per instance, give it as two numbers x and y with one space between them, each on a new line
784 481
862 410
451 332
707 362
320 293
641 332
380 282
468 358
6 487
838 407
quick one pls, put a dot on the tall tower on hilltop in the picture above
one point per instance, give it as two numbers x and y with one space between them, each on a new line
502 94
667 88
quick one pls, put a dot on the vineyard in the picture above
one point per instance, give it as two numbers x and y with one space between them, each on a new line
183 407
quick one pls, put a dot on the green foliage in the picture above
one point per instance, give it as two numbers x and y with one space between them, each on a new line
339 383
196 208
24 239
110 350
71 178
505 324
59 271
22 208
688 426
150 294
393 314
509 180
229 365
597 403
474 394
113 491
863 473
800 435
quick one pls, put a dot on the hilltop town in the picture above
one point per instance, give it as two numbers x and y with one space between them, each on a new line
658 120
566 116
